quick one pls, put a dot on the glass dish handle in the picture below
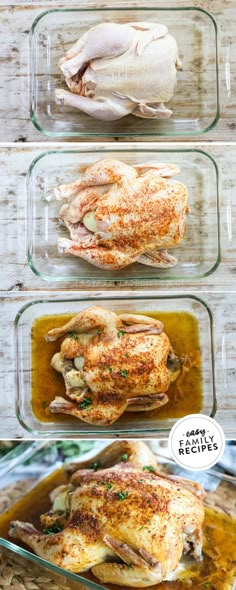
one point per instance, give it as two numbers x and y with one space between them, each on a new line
25 73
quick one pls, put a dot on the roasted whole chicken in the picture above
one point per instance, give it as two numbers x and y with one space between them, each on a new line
119 214
111 364
118 69
121 518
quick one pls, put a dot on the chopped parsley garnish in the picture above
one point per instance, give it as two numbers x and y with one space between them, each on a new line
72 335
110 369
148 520
124 457
141 528
94 465
51 530
207 584
109 485
126 354
130 565
140 480
122 495
149 468
123 373
86 402
99 332
120 333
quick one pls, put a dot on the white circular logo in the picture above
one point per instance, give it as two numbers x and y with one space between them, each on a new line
196 442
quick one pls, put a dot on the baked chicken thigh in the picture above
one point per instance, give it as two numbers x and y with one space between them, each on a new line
118 69
111 364
125 520
119 214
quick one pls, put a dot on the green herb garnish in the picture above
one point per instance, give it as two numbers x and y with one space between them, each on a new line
51 530
149 468
123 373
126 354
94 465
72 335
140 480
120 333
110 369
207 584
86 402
44 404
124 457
99 332
122 495
109 486
129 565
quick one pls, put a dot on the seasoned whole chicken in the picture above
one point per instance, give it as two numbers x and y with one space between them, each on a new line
125 520
118 69
119 214
111 364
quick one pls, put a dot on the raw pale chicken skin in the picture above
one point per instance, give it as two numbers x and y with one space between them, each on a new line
119 214
126 521
111 364
118 69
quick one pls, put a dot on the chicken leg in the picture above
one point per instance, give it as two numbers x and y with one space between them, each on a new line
103 40
99 173
85 321
136 452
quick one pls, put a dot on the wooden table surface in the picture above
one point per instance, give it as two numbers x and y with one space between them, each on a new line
16 20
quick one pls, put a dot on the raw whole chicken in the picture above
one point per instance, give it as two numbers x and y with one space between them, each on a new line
121 518
119 214
118 69
111 364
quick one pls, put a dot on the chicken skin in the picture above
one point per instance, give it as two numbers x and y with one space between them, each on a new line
118 69
123 519
119 214
111 364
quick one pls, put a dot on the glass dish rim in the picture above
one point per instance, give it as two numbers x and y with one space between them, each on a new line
91 150
110 134
103 433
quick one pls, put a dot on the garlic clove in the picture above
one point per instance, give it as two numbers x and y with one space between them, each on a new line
79 362
89 221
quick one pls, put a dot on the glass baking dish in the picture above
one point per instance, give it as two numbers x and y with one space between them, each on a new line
195 103
141 423
198 254
24 509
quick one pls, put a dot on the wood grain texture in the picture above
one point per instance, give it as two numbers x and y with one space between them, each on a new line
16 21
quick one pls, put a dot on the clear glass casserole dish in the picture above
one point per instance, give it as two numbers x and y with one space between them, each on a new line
195 103
198 254
44 572
131 424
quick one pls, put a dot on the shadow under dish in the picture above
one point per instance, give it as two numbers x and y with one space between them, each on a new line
183 332
215 571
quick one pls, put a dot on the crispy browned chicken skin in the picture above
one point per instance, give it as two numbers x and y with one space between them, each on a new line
111 364
127 522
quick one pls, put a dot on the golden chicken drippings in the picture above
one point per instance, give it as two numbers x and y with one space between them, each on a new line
119 214
111 364
120 517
